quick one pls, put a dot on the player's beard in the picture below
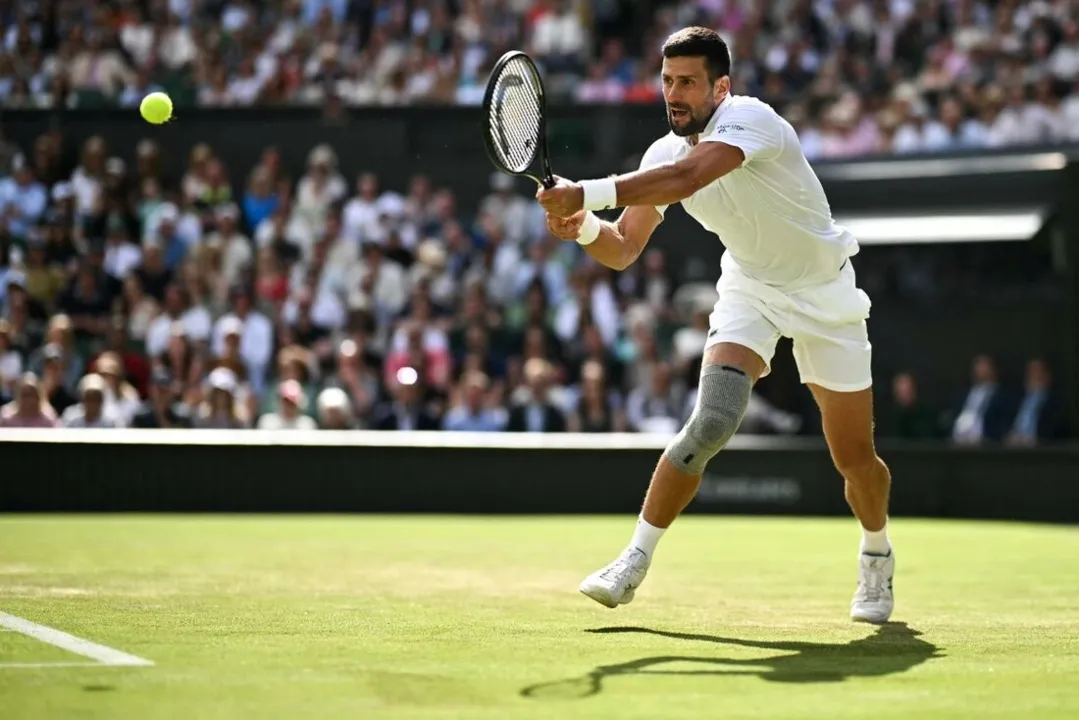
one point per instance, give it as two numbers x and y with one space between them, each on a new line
695 124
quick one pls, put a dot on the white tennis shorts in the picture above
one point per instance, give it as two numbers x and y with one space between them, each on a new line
827 324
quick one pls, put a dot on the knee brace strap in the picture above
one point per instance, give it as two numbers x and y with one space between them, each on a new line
722 398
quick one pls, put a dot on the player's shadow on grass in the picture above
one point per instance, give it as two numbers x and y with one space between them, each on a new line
892 648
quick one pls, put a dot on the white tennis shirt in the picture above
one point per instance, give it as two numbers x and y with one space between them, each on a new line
771 213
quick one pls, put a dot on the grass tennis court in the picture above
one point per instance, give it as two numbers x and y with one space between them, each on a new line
423 617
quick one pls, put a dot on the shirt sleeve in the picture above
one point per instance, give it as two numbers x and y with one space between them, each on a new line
757 131
655 155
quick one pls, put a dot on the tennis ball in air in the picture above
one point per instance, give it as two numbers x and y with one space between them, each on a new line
156 108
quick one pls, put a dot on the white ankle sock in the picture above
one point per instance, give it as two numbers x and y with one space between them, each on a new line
876 542
646 537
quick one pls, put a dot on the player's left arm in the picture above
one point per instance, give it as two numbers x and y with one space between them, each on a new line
741 137
675 181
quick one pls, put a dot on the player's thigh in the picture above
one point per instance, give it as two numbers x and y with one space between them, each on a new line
740 335
834 357
847 418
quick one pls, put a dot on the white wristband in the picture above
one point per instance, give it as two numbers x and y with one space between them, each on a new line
600 194
590 228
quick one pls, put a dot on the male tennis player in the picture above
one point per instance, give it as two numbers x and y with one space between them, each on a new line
737 168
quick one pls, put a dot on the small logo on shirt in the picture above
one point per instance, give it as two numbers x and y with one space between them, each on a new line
728 128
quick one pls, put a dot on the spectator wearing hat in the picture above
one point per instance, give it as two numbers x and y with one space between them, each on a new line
221 410
121 399
335 410
94 411
256 334
233 246
321 187
290 410
537 413
22 198
30 408
163 409
57 394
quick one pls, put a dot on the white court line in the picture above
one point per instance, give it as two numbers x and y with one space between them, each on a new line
50 665
103 654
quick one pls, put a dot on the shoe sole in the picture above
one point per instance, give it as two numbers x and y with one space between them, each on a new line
871 619
600 595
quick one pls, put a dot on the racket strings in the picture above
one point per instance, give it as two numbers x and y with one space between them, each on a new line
515 118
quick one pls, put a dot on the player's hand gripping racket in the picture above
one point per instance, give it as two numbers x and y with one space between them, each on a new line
515 119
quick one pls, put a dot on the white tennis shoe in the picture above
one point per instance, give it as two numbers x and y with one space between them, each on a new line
616 584
873 601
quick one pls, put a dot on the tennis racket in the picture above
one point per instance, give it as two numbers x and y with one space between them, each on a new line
515 119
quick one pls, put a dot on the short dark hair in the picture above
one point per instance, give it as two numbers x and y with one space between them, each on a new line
701 42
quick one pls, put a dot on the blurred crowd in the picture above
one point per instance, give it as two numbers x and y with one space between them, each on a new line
854 76
263 298
246 297
991 410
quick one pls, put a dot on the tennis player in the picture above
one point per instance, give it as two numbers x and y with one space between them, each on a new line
738 169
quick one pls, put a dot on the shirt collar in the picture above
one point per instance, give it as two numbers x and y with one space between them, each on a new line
711 126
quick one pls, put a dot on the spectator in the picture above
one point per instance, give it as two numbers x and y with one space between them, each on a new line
179 316
44 280
10 363
406 411
911 418
121 399
656 408
256 336
121 255
473 412
233 246
93 411
221 410
261 200
558 38
1041 416
29 409
23 198
99 70
356 375
60 338
57 395
289 414
335 410
984 414
537 413
597 410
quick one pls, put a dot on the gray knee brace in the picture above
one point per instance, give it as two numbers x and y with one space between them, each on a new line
722 398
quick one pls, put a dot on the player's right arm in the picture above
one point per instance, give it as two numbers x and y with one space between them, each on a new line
618 243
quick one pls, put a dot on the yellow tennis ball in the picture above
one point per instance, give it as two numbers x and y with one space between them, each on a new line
156 108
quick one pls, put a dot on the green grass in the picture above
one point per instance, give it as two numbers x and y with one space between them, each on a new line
390 617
